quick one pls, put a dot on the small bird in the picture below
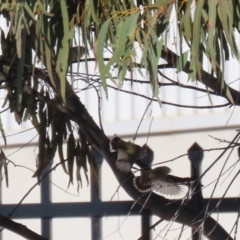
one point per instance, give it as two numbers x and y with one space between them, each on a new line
159 179
127 153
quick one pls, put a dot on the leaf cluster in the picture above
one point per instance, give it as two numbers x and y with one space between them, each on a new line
138 34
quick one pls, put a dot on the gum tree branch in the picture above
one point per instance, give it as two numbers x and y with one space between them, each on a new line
208 80
158 205
19 229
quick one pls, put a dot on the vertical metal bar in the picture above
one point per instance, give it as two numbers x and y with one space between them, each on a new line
46 199
195 155
95 186
96 228
95 197
146 216
146 223
46 227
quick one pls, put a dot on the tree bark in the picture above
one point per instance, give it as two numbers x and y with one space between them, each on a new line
19 229
158 205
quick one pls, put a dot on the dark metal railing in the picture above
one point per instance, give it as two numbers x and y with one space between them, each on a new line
96 209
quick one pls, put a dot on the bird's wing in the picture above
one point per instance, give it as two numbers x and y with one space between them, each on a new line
111 148
167 187
142 186
113 143
160 186
122 162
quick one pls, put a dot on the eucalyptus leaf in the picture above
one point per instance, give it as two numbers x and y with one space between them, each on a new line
70 156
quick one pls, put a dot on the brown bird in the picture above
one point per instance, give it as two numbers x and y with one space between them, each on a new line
159 179
127 153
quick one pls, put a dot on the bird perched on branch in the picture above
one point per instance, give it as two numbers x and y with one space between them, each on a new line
127 153
159 179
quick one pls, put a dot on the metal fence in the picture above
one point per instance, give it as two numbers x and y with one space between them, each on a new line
96 209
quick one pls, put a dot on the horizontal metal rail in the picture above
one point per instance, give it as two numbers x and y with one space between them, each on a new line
92 209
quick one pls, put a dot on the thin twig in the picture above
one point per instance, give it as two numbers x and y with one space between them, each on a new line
224 151
174 83
4 110
135 202
151 227
99 107
149 130
167 103
207 206
223 140
149 104
180 235
186 154
36 184
22 146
